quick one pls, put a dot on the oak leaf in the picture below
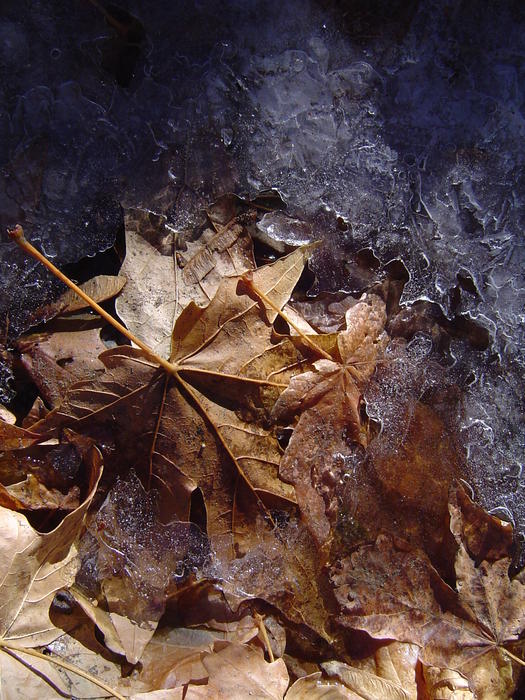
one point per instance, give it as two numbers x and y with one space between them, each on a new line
392 591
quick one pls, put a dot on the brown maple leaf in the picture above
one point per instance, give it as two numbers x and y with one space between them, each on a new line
392 591
327 403
182 425
163 278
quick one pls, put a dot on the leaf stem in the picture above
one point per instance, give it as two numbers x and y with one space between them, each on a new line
513 656
264 635
281 313
223 375
17 234
63 664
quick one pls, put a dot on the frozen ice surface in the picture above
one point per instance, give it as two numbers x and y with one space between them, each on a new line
126 541
396 128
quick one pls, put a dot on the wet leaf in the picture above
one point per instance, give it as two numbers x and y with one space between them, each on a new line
181 435
35 566
392 591
327 403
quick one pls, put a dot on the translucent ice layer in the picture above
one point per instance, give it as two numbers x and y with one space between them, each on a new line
394 127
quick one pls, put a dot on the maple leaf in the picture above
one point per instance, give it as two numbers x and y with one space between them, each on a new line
162 279
392 591
238 671
176 425
327 401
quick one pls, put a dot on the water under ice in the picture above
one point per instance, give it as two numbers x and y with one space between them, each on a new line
396 127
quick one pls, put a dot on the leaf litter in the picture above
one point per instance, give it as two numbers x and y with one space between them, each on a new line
232 546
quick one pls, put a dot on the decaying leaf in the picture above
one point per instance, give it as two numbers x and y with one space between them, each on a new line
445 684
162 281
31 494
55 361
224 518
43 477
99 288
175 431
284 570
174 656
238 671
35 566
327 402
314 687
392 591
134 558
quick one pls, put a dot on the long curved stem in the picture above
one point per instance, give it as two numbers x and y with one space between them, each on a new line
63 664
17 234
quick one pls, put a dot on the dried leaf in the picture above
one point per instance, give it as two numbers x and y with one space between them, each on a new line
174 656
327 403
171 427
55 361
162 283
7 416
445 684
392 591
369 685
314 687
284 570
31 494
35 566
237 671
135 558
14 438
99 288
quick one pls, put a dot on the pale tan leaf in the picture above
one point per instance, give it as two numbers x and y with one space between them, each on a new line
7 416
167 694
174 655
26 678
366 685
99 288
237 671
35 566
81 649
395 662
162 282
101 619
134 636
445 684
314 687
